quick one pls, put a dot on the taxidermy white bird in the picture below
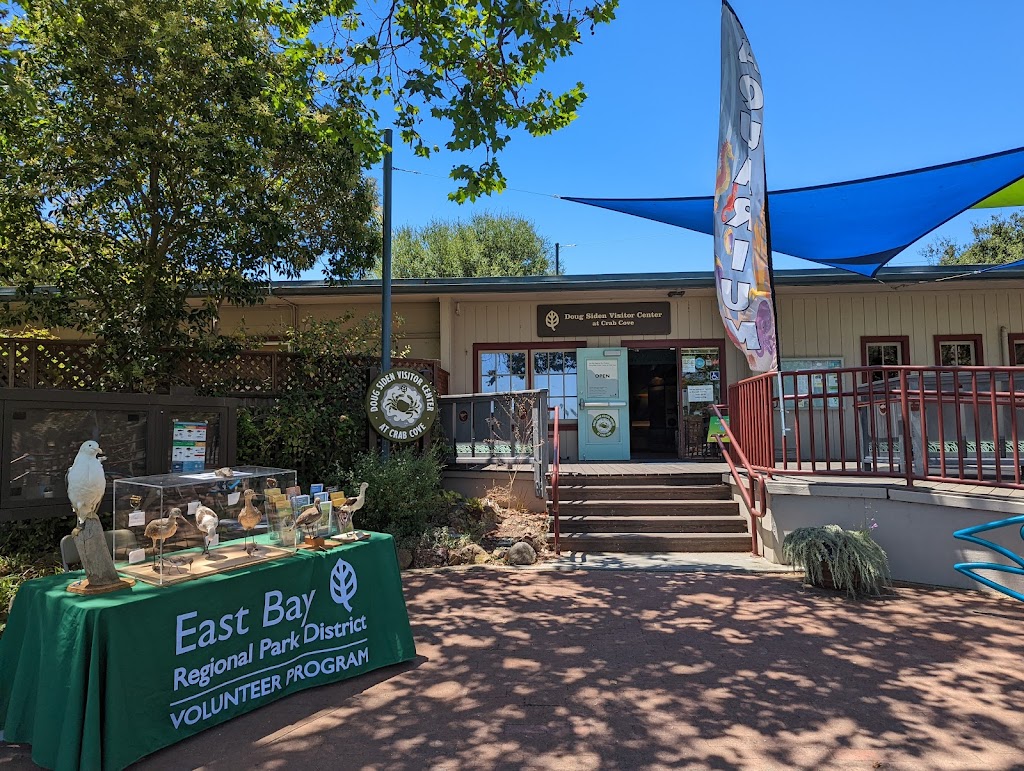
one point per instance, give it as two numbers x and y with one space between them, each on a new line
344 511
207 521
86 482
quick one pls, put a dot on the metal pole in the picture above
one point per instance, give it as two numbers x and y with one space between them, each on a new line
385 273
557 245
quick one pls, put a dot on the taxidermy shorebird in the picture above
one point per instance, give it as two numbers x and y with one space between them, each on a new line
309 521
207 521
344 511
86 482
159 530
179 561
249 517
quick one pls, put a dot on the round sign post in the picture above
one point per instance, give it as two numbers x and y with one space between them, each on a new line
402 405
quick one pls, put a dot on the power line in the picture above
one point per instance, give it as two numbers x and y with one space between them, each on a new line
514 189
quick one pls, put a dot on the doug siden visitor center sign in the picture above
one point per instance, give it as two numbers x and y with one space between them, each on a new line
402 405
604 319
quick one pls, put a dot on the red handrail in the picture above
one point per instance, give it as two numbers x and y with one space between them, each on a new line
753 478
554 484
915 423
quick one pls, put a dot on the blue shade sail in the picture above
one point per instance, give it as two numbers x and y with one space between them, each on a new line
858 225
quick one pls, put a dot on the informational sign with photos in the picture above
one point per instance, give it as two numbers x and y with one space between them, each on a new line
188 446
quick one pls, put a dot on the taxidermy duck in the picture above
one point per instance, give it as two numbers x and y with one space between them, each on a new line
207 522
309 521
344 511
249 518
86 482
159 530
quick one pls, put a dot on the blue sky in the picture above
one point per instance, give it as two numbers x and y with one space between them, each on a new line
852 89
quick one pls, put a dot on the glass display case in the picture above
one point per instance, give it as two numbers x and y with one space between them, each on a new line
174 527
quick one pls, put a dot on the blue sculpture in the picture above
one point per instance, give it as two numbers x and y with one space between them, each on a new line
969 568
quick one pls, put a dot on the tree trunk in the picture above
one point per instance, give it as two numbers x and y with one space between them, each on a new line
96 559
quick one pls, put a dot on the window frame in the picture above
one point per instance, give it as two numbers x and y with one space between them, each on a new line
528 349
903 341
976 340
1011 340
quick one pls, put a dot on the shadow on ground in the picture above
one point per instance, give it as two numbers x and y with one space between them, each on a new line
628 670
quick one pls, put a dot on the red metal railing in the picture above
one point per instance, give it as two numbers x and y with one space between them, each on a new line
555 464
754 480
942 424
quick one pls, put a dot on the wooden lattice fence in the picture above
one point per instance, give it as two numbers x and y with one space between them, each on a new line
77 365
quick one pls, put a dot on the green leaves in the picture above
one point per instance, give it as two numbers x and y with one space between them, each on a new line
163 152
159 158
486 245
998 241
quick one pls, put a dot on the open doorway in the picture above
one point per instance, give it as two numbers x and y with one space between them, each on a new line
653 402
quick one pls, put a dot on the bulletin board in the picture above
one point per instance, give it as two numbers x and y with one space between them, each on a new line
819 385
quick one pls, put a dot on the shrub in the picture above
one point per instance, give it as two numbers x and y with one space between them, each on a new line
15 570
319 424
404 496
855 562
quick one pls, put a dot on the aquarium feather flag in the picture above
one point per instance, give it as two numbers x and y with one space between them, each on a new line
742 244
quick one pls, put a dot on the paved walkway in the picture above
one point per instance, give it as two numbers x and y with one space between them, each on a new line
673 562
625 670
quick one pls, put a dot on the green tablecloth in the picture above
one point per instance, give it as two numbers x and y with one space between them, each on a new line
99 682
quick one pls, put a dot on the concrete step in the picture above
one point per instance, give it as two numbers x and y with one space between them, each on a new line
615 480
572 491
646 508
641 524
653 542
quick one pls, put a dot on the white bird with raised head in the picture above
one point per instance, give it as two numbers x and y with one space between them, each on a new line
86 482
344 511
207 521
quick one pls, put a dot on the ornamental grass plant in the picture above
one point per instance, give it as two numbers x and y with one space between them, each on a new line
832 557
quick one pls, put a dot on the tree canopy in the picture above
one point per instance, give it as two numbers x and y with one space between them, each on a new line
485 245
996 242
157 150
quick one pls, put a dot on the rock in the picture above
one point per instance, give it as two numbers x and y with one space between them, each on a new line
491 516
430 558
471 554
404 559
538 542
499 553
521 554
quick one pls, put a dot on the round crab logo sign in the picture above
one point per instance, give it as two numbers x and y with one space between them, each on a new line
603 425
402 405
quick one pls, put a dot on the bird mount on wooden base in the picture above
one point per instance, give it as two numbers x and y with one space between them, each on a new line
100 575
86 485
84 588
316 542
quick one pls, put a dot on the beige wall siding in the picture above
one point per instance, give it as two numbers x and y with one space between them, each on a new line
420 328
813 322
829 325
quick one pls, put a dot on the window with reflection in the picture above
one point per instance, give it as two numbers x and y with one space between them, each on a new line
523 369
503 371
556 371
957 353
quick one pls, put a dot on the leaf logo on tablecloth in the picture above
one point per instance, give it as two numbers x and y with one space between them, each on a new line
343 584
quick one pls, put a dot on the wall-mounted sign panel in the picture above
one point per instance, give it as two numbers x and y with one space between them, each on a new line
603 379
593 319
402 405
